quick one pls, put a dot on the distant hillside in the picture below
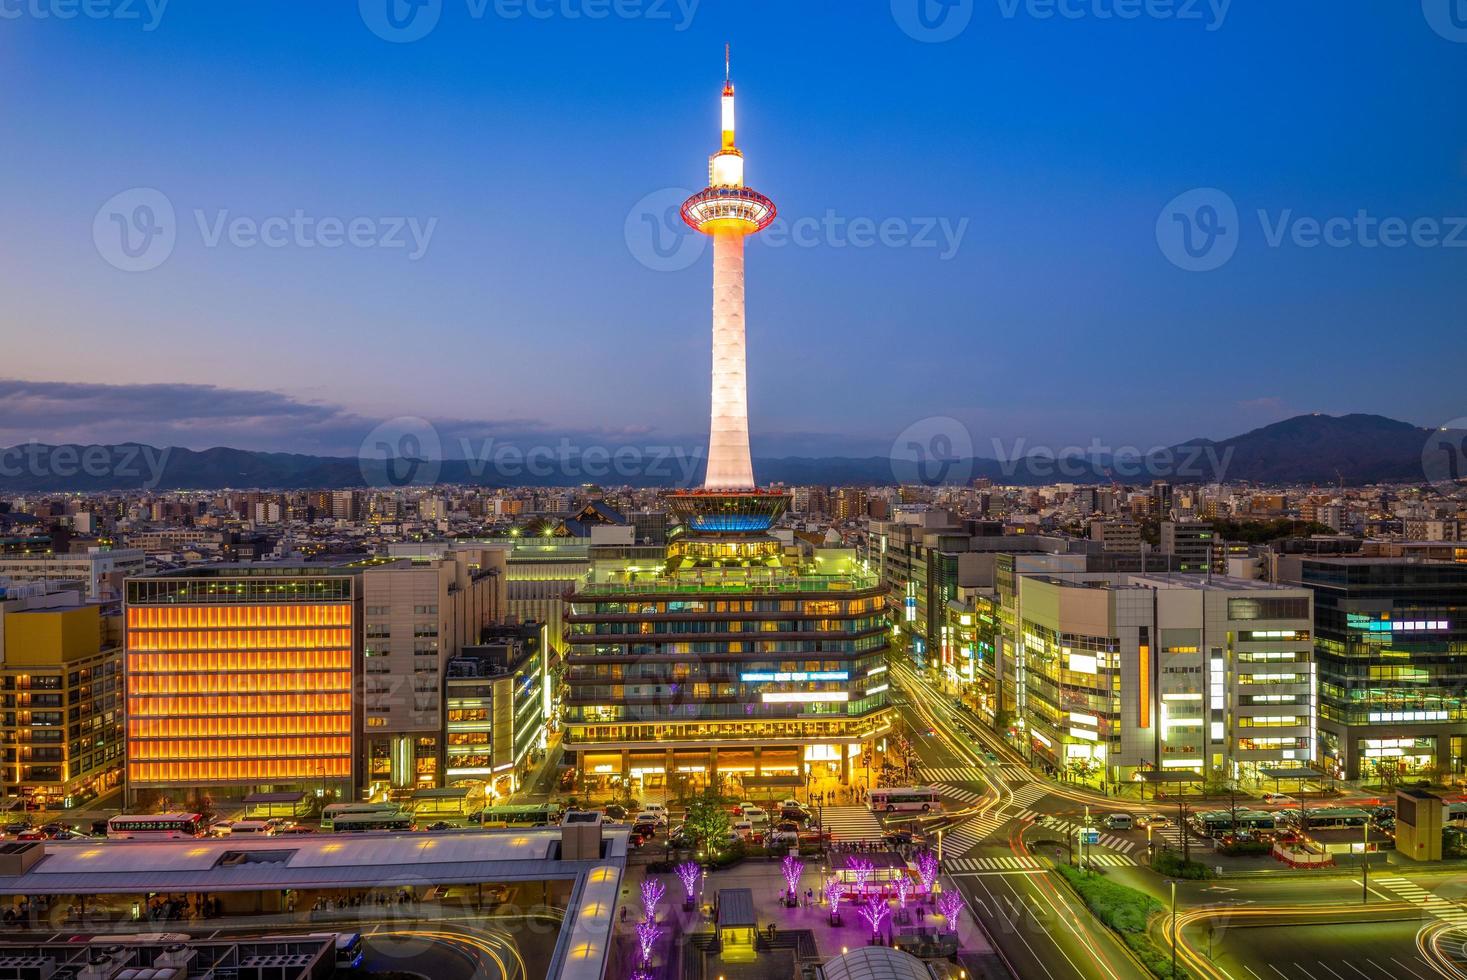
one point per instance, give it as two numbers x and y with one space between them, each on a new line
1321 449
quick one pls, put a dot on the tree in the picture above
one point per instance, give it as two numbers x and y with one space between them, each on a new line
707 819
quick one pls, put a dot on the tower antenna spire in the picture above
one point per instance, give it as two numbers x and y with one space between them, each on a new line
725 64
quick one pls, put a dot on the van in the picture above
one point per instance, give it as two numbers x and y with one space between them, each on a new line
257 828
1119 821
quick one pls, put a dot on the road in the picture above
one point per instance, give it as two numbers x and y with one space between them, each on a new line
1039 927
1011 826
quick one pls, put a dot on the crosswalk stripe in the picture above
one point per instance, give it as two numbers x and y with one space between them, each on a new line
851 823
1416 895
1029 795
1069 827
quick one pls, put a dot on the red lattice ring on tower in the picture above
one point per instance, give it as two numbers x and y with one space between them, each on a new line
729 204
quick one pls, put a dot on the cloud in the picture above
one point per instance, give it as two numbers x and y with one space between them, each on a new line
197 416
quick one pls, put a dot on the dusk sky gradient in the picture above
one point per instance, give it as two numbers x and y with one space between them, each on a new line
1057 142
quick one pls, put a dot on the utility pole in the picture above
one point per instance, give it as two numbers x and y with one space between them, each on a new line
1365 867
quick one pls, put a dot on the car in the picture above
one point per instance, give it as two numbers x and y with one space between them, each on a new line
296 828
655 808
614 811
636 839
793 805
440 825
65 834
567 779
741 830
755 815
657 819
680 836
12 829
739 808
32 833
1385 812
903 837
796 816
782 838
989 756
1278 798
1154 820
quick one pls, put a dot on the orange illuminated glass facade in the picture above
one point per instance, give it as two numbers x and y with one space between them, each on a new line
240 679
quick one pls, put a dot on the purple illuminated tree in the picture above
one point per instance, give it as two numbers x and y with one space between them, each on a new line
835 889
687 873
927 869
950 904
875 912
652 892
647 933
792 867
861 869
903 888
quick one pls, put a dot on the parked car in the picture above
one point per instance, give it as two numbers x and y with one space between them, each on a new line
614 811
782 838
680 836
440 825
742 830
756 816
654 817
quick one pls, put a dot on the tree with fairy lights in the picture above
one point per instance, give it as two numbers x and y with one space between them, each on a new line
647 933
950 904
688 873
835 889
652 892
927 870
903 889
861 869
792 868
874 912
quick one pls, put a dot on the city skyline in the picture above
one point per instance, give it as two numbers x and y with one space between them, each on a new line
1022 172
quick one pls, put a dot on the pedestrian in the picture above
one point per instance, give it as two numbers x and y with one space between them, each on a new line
623 914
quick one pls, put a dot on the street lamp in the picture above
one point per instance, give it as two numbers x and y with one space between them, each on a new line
1174 928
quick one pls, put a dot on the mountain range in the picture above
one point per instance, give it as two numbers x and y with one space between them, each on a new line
1307 449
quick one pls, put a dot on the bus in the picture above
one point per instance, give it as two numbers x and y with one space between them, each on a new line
155 826
890 800
1337 818
1211 823
1455 813
333 810
359 823
526 815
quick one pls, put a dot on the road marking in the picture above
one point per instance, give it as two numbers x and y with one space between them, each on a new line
1278 971
1326 966
1405 967
1357 969
1304 971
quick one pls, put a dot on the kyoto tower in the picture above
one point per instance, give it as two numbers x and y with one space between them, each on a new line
728 211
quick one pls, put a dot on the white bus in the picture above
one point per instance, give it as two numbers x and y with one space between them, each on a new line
155 826
333 810
891 800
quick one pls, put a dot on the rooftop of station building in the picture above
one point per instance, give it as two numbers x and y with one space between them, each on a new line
321 861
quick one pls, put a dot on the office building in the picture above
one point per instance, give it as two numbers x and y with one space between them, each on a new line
1115 673
61 684
240 678
497 700
1391 645
417 614
1192 545
100 571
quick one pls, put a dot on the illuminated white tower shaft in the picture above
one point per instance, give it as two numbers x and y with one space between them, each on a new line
728 211
730 466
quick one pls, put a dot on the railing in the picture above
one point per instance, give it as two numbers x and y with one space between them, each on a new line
851 582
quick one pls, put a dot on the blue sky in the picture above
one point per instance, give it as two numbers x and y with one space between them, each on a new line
1027 285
